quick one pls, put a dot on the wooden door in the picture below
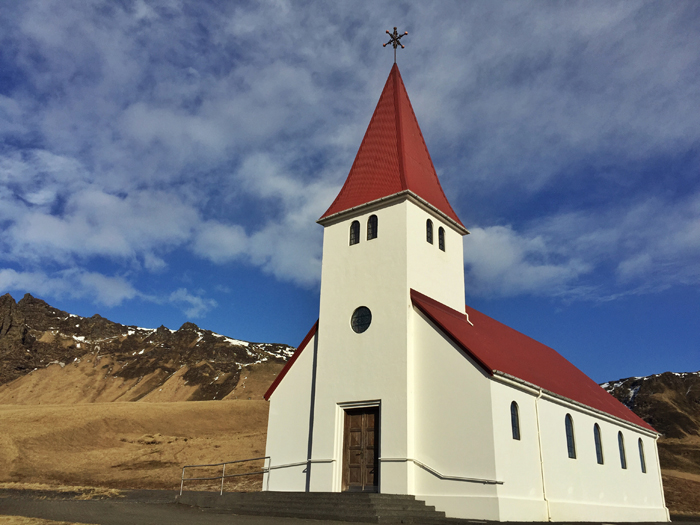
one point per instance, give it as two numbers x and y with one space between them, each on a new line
361 450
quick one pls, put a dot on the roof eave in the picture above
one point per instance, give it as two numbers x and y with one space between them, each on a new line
393 199
497 374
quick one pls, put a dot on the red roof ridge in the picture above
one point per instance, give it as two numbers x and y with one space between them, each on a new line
437 304
392 157
503 351
420 300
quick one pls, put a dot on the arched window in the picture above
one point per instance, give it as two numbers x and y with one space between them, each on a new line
429 231
570 444
641 456
598 444
354 232
441 238
372 227
515 420
621 443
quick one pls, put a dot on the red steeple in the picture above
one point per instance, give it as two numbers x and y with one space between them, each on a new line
392 158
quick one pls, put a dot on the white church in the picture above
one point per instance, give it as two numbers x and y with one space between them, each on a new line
401 389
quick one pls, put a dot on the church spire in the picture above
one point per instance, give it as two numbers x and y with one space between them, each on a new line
393 159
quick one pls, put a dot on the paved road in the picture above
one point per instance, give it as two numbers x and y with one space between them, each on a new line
139 508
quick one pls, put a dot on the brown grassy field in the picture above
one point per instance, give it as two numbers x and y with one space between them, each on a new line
64 435
127 445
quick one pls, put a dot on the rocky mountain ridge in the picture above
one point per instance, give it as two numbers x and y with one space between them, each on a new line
34 336
670 402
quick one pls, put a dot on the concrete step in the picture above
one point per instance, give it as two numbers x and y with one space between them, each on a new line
358 506
313 496
351 507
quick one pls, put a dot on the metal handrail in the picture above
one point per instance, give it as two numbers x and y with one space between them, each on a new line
223 476
444 476
269 467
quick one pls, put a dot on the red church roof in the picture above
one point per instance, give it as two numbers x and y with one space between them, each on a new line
392 158
498 348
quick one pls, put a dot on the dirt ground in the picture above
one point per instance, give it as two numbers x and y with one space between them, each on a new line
682 494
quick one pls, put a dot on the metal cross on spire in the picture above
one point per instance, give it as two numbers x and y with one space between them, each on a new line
394 40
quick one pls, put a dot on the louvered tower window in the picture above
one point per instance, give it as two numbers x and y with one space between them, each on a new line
441 238
372 227
570 443
429 231
598 444
354 232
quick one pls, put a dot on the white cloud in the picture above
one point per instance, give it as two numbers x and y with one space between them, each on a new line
194 306
95 223
220 243
153 263
102 289
501 261
155 129
98 288
109 291
636 267
651 245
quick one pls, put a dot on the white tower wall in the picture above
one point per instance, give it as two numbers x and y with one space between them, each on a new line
373 367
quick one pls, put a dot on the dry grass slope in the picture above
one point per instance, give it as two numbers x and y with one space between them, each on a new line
126 445
93 380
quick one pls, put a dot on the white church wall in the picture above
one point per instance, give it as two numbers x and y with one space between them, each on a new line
288 426
452 426
441 416
517 460
580 489
431 271
370 366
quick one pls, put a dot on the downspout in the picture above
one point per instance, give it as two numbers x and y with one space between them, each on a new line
312 409
539 442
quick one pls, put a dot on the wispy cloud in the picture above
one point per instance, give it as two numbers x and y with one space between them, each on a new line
645 247
193 305
501 261
74 283
131 132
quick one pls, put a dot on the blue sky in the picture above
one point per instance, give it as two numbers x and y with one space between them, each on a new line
166 161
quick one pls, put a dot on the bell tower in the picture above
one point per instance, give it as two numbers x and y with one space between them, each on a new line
389 230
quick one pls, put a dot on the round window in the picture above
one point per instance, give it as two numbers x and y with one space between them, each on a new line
361 319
